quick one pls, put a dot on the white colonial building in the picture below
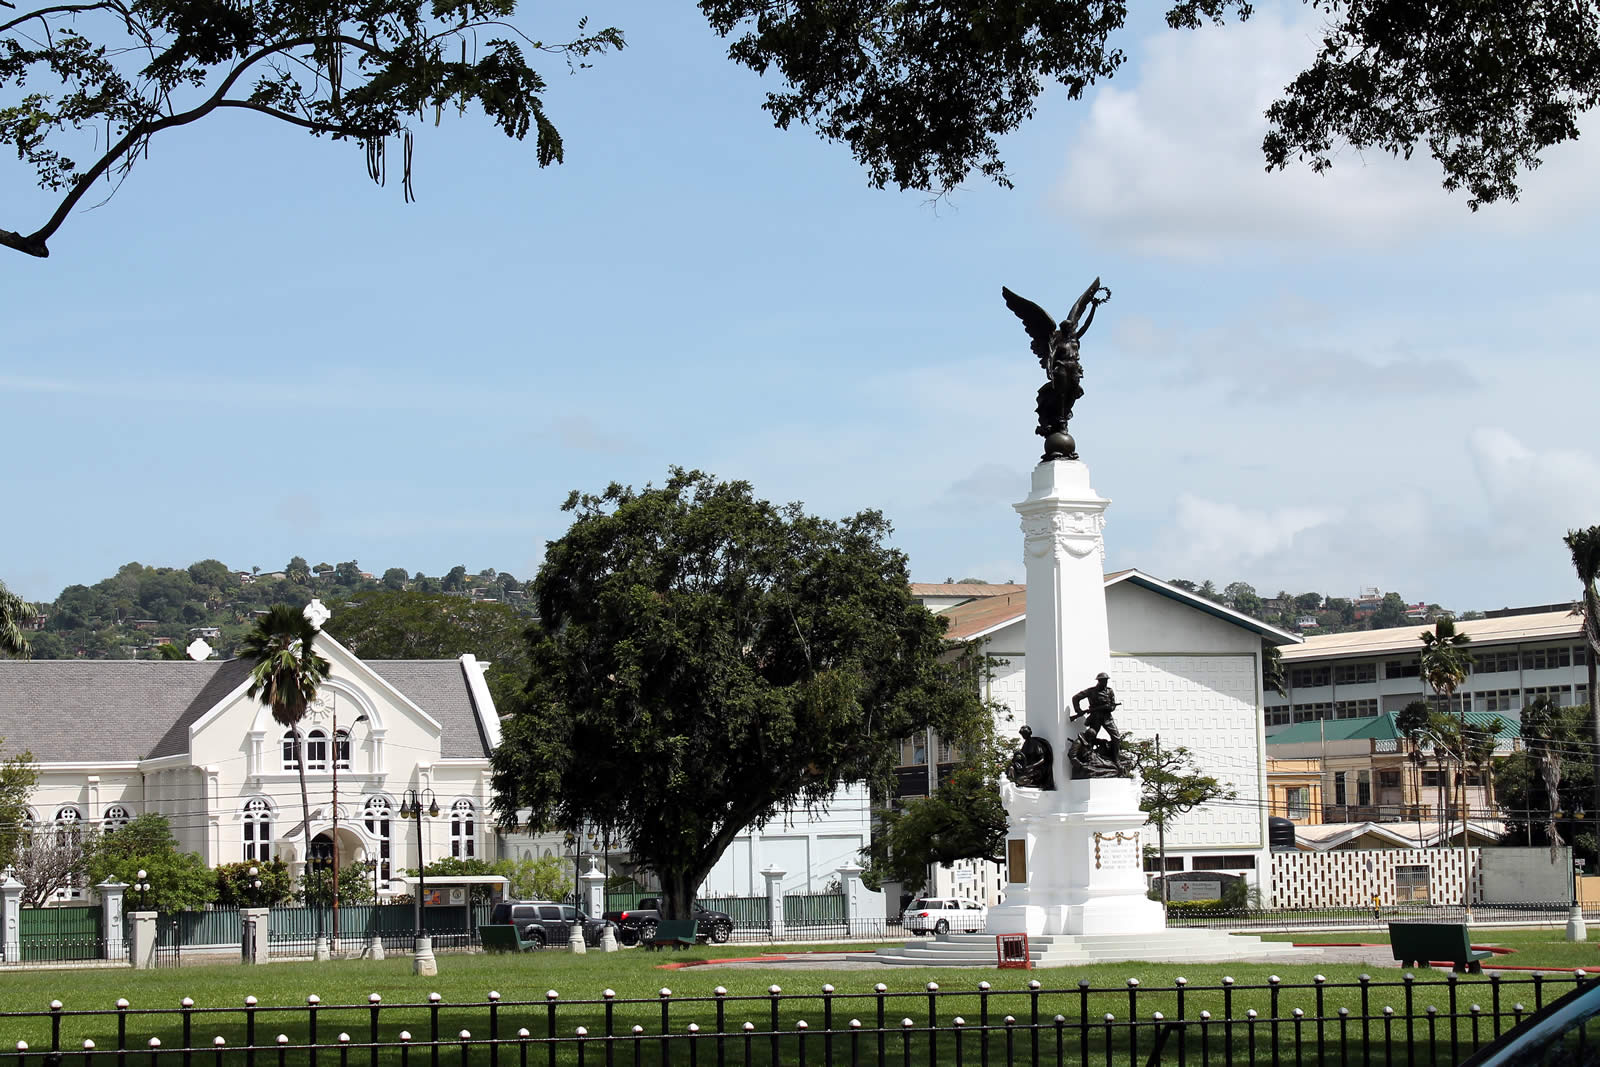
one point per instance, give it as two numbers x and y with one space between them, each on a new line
1184 668
114 739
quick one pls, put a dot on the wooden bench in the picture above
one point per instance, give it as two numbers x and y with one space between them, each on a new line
503 937
679 933
1418 944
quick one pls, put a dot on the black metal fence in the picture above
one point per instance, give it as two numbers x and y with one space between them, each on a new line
1317 1022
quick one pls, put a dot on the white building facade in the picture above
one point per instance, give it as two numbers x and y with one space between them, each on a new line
114 739
1515 658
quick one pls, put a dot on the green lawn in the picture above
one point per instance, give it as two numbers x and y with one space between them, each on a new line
464 982
1544 946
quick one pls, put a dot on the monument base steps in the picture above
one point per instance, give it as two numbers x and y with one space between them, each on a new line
1065 950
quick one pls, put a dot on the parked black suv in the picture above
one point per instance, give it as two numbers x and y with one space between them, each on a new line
544 922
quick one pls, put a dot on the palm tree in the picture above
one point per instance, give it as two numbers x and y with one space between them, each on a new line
12 609
1585 548
1411 721
1444 663
1542 732
286 675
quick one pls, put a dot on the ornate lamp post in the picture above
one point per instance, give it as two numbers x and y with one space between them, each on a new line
141 886
412 807
254 885
338 752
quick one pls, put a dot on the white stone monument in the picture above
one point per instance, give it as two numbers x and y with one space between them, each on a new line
1074 853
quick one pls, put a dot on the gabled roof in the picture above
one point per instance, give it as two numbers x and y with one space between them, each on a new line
1267 631
1547 625
980 618
76 710
1325 837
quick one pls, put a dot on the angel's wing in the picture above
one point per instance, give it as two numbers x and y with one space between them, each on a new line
1037 320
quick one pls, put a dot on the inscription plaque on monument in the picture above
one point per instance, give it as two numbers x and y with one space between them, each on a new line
1116 852
1016 861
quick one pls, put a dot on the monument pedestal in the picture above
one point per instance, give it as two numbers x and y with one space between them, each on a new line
1075 861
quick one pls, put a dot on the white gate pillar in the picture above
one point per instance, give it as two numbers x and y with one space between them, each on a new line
11 918
111 928
774 877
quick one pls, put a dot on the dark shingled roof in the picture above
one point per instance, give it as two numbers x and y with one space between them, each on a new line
105 710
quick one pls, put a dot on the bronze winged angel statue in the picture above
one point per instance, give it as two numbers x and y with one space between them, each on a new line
1057 349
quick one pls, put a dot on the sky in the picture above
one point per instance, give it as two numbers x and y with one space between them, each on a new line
1305 382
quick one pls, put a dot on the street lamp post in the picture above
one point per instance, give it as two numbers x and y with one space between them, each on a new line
412 807
336 756
141 885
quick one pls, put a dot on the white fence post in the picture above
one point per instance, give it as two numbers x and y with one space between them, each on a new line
142 939
11 918
774 877
112 894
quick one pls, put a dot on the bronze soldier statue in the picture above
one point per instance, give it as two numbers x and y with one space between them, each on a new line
1034 763
1093 756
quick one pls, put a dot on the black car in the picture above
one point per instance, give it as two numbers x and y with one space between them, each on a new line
544 922
640 923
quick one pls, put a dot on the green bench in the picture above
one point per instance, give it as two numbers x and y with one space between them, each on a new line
1418 944
503 937
679 933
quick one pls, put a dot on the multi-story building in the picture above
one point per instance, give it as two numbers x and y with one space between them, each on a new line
1367 773
1357 675
1294 790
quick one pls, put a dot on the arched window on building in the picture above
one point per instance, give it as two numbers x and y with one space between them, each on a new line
69 825
463 830
69 835
115 819
291 759
378 827
344 750
316 751
257 830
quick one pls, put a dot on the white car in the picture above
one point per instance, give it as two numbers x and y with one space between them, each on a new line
940 915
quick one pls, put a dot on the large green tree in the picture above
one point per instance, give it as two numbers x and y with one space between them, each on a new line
1585 548
286 674
179 881
705 660
962 819
386 624
920 93
1172 786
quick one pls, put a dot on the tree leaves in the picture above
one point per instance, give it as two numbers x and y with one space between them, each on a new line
127 71
705 660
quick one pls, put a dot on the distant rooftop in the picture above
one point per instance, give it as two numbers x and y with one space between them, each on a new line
1380 728
1547 625
968 589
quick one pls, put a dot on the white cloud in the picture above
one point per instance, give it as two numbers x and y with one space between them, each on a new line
1533 495
1173 165
1218 536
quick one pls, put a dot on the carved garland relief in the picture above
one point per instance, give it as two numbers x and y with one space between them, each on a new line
1074 532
